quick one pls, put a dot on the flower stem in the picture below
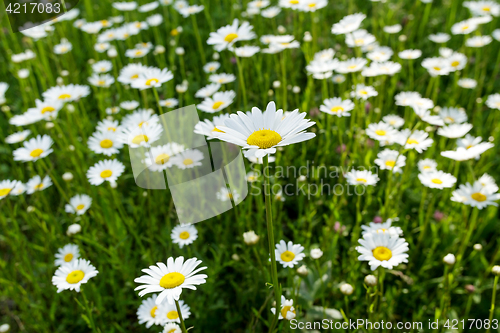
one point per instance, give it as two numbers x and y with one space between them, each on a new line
493 297
270 236
183 327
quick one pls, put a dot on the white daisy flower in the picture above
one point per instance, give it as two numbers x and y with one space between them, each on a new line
251 177
467 83
389 159
209 128
6 187
410 54
72 275
36 184
108 125
348 24
17 137
382 249
488 183
184 234
475 195
188 159
336 106
418 140
34 149
393 29
361 177
67 254
363 92
170 279
160 158
169 102
289 254
129 105
437 179
287 310
384 227
222 78
394 120
106 170
427 165
62 48
79 204
453 115
168 312
131 72
454 131
143 136
218 102
437 66
464 153
463 28
102 66
139 118
125 6
359 38
106 143
246 51
381 132
47 109
478 41
351 65
152 77
208 90
493 101
261 132
225 194
69 93
171 327
211 67
226 36
148 312
482 7
19 189
456 61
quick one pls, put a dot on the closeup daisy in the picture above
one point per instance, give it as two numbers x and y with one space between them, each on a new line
37 184
361 177
72 275
67 254
389 159
188 159
147 313
79 204
106 143
209 128
167 312
218 102
159 158
337 106
17 137
34 149
226 36
152 78
6 187
289 254
384 227
382 249
184 234
476 195
107 170
437 179
287 310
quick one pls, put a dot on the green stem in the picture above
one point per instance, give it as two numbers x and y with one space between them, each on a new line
493 297
183 327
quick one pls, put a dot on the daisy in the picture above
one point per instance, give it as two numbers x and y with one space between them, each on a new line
382 249
381 132
348 24
34 149
478 41
380 54
389 159
312 5
125 6
191 10
259 4
19 189
251 177
102 66
278 196
427 165
130 73
453 115
209 128
225 194
418 140
363 92
361 177
261 132
69 93
226 36
456 61
410 54
171 278
106 143
482 7
107 170
384 227
393 29
467 83
67 254
436 66
464 154
493 101
463 28
184 234
139 118
17 137
208 90
152 77
104 80
147 313
72 275
246 51
488 183
271 12
337 106
454 131
188 159
437 179
337 79
351 65
168 312
149 7
394 120
324 55
6 187
79 204
211 67
36 184
159 158
62 48
289 254
172 328
222 78
218 102
108 125
287 310
475 195
47 110
142 136
129 105
359 38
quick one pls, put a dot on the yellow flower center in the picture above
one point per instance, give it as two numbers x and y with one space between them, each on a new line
184 235
135 76
486 9
390 163
106 143
287 256
383 230
172 280
359 41
106 174
465 27
36 152
264 138
363 92
285 310
139 139
162 159
80 207
153 311
312 5
230 37
217 130
294 2
172 315
138 52
68 257
217 105
174 32
48 109
437 68
172 330
426 167
188 161
148 82
382 253
4 192
337 109
361 180
380 132
436 181
39 186
75 277
411 141
478 197
64 96
455 63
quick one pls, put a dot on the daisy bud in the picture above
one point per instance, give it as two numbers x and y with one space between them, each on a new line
302 178
180 51
478 247
296 89
270 92
307 37
496 270
59 81
144 194
402 38
370 280
70 108
302 270
491 139
71 148
91 61
449 259
276 84
159 49
23 73
250 237
30 209
5 108
113 184
216 56
173 42
112 53
68 176
49 125
479 100
73 229
316 253
64 72
346 289
235 257
4 328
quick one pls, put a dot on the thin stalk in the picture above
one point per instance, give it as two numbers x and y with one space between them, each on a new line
183 327
493 297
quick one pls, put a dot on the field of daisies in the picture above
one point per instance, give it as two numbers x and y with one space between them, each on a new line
369 133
